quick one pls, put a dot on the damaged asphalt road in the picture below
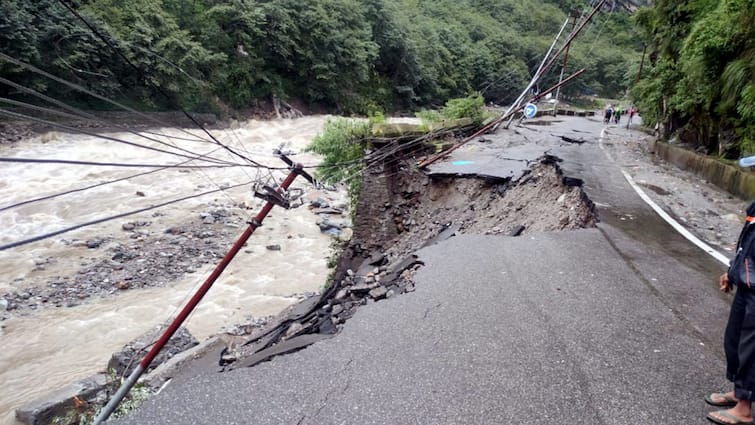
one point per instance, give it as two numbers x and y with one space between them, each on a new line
618 324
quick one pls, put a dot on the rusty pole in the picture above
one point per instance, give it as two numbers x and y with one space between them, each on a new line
106 411
544 69
497 121
563 68
571 37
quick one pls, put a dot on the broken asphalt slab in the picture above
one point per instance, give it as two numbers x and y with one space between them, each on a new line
479 165
489 337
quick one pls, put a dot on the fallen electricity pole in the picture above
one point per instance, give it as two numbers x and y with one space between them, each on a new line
544 67
497 121
563 69
273 197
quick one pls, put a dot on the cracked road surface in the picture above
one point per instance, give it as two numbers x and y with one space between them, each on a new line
621 324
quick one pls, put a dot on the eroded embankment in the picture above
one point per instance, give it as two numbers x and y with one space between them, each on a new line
402 209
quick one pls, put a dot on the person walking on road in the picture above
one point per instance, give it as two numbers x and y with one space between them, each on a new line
632 113
739 339
607 114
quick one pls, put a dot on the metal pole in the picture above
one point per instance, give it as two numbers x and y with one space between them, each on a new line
558 85
563 69
560 78
535 77
571 37
544 69
144 364
499 120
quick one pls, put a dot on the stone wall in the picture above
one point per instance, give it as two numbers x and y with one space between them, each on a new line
733 179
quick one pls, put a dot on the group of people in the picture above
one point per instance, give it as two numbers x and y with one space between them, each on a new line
616 113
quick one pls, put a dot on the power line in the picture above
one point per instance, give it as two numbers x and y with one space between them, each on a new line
105 99
110 138
101 136
155 86
113 217
77 111
82 189
110 164
82 89
600 31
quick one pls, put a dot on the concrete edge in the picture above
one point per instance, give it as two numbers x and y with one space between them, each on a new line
738 182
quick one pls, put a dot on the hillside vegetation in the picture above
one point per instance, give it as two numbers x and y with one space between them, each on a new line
700 82
350 56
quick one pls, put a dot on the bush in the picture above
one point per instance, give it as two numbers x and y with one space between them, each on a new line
472 107
342 145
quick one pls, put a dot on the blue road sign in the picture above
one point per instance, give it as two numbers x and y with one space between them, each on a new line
530 110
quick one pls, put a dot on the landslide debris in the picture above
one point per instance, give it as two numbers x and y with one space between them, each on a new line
400 210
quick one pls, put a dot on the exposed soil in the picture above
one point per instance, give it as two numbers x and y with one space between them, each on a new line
400 210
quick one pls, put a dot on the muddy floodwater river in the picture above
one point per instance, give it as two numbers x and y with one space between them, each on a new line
48 346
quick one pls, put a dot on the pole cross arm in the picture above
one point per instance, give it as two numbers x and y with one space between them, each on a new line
295 167
273 196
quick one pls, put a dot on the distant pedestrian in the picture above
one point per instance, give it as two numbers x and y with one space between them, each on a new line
632 113
739 339
607 114
617 114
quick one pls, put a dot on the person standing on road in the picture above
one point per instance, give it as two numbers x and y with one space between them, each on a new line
607 114
739 339
632 113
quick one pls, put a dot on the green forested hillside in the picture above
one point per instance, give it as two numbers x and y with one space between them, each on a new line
346 55
700 82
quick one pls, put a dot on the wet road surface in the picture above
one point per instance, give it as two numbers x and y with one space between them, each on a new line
616 325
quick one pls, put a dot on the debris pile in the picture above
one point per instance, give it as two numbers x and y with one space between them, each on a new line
402 210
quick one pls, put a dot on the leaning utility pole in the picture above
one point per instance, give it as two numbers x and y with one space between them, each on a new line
545 68
563 66
535 77
274 197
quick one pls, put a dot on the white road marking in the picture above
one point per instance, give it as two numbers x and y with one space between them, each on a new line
678 227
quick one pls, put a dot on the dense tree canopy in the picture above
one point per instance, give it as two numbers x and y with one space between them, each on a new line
348 55
701 78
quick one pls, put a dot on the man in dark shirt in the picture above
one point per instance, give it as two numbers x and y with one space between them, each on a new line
739 340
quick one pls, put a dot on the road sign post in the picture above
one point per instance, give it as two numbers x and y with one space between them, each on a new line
530 110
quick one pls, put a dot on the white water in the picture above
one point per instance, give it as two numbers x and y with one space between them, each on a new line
48 349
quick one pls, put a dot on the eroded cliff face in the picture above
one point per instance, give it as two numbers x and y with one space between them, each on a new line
401 208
